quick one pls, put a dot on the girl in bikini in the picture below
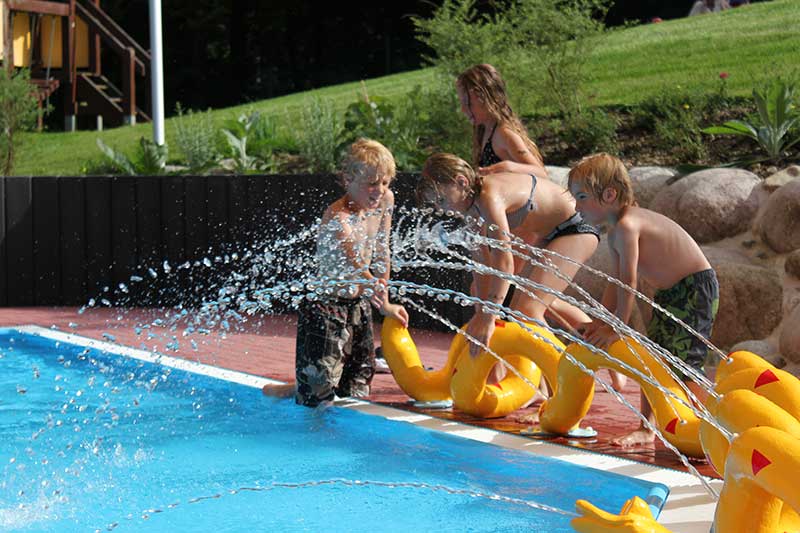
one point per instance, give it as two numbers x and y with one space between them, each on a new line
533 209
500 144
499 140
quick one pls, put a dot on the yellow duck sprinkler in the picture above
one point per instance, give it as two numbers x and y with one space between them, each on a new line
757 404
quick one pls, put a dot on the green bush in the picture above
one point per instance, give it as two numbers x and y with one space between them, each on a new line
398 127
18 112
195 136
675 116
320 140
591 130
460 37
443 128
549 41
555 40
149 159
773 126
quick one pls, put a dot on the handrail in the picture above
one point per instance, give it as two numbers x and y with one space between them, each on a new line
108 36
115 29
40 7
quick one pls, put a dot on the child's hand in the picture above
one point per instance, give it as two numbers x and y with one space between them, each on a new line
590 327
502 166
396 311
481 327
380 295
602 336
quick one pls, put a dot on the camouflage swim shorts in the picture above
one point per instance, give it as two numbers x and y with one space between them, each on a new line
694 300
335 350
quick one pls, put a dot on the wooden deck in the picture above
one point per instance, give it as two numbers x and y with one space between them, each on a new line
265 347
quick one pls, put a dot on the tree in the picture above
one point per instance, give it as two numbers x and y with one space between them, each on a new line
18 112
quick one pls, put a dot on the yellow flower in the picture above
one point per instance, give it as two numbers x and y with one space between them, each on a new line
686 106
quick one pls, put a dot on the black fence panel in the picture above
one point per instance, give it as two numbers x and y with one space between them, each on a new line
46 242
19 240
99 257
124 251
65 240
72 215
3 246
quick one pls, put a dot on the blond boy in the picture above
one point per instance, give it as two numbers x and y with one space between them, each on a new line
648 246
334 348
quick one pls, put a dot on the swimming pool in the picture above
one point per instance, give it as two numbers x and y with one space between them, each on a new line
94 441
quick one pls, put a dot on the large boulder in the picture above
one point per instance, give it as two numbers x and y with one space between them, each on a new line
648 181
790 336
711 204
718 255
778 222
761 347
750 303
792 265
779 179
558 174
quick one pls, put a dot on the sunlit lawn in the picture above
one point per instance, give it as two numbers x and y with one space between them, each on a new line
750 43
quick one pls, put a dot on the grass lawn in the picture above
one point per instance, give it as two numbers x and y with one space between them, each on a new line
751 43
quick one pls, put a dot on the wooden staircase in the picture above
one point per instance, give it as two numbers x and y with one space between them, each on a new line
95 94
86 89
99 97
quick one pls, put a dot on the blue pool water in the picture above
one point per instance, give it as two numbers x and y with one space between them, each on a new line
94 442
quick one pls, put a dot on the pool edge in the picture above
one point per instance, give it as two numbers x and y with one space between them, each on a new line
688 507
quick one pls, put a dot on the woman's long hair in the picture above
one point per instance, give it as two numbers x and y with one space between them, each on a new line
439 170
485 83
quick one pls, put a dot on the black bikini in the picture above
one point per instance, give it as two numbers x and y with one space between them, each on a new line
488 156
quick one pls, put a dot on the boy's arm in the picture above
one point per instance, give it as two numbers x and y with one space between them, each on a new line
627 247
609 298
625 252
383 255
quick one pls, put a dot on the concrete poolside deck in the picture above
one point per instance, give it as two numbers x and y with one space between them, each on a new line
265 347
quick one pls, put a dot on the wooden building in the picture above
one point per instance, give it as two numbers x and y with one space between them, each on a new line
63 43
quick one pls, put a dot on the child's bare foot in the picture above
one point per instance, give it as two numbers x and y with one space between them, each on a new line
618 380
282 390
530 419
635 438
537 398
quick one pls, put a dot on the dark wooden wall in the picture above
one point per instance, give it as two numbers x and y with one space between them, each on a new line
62 239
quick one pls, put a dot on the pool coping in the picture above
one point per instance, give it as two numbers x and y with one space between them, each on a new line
688 507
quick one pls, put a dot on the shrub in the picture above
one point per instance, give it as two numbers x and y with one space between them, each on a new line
773 125
556 37
321 134
397 127
591 130
675 115
544 40
98 166
238 133
460 37
149 159
195 136
18 112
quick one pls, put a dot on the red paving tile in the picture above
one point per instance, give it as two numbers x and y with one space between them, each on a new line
264 346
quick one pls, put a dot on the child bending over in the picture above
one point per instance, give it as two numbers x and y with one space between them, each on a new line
647 245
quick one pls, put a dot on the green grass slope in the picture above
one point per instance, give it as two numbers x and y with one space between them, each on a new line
751 44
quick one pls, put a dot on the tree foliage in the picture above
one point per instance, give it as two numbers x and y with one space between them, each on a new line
18 112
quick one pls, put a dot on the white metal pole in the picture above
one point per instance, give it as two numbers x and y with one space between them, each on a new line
156 72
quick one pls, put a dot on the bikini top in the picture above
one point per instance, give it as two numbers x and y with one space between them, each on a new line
488 156
517 216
